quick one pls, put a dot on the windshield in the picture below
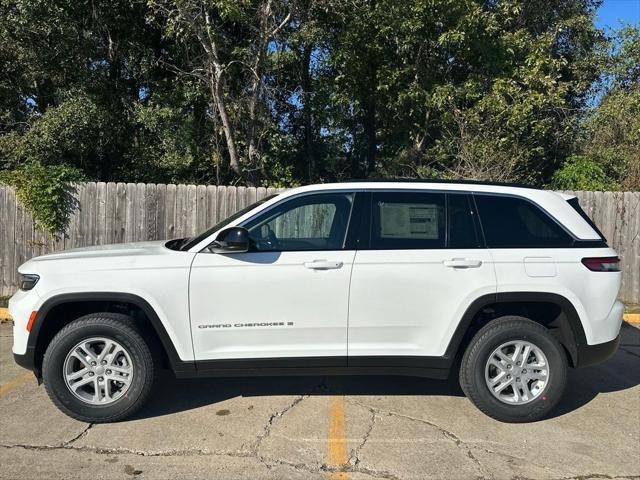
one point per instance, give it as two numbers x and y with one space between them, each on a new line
190 242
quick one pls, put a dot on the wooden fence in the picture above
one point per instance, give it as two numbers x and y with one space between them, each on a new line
115 213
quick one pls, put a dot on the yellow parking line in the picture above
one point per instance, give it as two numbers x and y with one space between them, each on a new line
632 317
337 453
16 382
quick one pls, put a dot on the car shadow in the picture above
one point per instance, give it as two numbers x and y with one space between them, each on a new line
171 395
620 372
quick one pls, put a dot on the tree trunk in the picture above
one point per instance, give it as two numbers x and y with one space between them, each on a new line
369 125
306 111
217 92
256 85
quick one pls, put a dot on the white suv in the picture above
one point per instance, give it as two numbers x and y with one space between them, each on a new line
509 285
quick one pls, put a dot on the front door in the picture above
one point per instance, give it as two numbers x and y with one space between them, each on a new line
286 299
422 268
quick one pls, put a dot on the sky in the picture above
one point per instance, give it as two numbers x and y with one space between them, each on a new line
613 12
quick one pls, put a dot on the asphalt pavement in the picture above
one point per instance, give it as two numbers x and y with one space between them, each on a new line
326 427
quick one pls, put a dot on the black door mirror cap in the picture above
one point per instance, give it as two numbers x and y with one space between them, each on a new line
231 240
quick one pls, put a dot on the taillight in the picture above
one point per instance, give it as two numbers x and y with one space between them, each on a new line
602 264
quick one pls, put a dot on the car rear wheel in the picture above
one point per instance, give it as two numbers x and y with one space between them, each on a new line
98 368
514 370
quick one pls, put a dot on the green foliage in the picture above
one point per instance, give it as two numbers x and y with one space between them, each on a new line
610 131
171 144
612 134
581 173
322 90
277 162
624 60
46 191
70 132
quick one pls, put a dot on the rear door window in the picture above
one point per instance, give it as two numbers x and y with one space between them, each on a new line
462 229
511 222
408 220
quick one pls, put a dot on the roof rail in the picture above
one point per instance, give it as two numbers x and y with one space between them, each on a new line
462 181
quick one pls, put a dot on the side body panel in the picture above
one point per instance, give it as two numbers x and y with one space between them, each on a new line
407 302
269 305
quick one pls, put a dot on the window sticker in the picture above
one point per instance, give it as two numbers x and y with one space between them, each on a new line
408 220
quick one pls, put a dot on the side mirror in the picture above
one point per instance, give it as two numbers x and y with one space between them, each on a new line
231 240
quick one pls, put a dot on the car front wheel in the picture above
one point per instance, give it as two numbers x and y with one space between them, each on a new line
98 368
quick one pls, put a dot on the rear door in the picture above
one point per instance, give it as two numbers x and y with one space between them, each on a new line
419 267
286 300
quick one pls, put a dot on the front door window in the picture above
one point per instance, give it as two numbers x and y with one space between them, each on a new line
312 222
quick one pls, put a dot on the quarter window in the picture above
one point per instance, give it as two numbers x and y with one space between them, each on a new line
311 222
510 222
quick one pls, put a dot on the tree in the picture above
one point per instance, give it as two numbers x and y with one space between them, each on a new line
612 129
276 93
609 137
218 39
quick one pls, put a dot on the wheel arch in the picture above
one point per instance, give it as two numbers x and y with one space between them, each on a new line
48 322
552 310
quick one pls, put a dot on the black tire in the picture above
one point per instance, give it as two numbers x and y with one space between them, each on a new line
118 327
490 337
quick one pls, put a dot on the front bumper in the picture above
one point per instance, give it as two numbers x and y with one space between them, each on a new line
594 354
26 360
20 307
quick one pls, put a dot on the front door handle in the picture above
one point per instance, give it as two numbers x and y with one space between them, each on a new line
462 263
322 265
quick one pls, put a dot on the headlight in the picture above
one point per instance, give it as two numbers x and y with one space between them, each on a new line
28 281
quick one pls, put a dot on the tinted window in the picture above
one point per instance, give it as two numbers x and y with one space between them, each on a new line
407 220
311 222
510 222
462 231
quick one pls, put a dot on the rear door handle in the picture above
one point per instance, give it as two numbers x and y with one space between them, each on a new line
462 263
322 265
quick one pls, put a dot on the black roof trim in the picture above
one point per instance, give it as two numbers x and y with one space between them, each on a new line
461 181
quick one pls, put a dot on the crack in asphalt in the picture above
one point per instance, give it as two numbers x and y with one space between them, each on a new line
83 433
515 457
353 465
266 431
270 462
253 449
385 475
110 451
354 458
446 433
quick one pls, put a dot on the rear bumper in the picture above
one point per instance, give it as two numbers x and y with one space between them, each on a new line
594 354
